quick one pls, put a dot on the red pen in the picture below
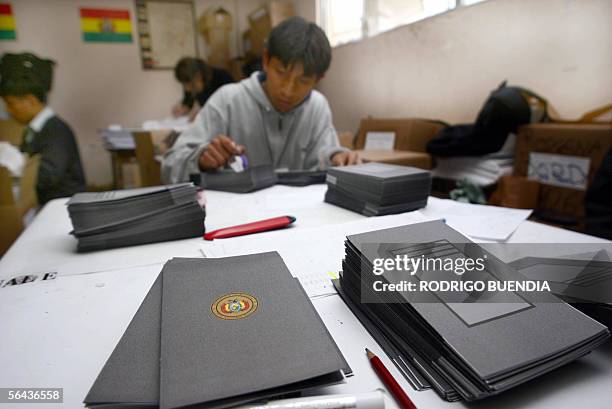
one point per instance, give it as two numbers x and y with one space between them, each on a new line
250 228
396 390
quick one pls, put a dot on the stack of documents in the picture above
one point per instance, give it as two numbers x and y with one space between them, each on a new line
121 218
469 344
117 138
216 333
248 180
375 189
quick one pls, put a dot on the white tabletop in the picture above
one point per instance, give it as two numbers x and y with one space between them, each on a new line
59 333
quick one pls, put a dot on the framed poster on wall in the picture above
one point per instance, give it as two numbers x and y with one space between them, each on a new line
166 32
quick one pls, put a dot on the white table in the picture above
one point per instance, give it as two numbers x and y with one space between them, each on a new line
59 333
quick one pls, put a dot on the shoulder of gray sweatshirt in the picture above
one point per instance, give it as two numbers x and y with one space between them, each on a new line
303 139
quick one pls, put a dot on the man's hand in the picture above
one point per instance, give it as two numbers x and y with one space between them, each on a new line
345 158
218 152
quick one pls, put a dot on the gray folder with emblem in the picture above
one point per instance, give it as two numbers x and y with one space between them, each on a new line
216 333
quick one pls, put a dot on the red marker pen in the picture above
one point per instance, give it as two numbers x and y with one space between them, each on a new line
250 228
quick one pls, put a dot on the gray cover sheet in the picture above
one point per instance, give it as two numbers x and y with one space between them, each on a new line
205 358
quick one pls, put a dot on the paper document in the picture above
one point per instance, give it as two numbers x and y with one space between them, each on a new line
312 255
380 140
479 221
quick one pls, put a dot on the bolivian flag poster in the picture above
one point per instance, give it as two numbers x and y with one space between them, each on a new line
7 22
104 25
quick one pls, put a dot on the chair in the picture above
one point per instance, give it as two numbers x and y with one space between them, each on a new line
148 165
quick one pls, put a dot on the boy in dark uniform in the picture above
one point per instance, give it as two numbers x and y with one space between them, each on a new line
25 81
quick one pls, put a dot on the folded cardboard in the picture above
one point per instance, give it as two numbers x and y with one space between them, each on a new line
411 134
396 157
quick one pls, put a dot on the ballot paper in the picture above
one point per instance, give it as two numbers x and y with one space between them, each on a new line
478 221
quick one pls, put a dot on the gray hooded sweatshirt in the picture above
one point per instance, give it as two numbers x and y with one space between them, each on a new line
303 139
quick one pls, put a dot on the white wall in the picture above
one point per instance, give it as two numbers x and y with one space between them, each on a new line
444 67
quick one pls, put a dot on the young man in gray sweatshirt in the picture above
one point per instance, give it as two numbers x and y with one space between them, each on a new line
275 117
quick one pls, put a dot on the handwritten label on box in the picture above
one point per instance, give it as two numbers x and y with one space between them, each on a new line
559 170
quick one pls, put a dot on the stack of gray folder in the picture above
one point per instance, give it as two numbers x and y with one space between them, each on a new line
177 352
376 189
118 218
465 345
249 180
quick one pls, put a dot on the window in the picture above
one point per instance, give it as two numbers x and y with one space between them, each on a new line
350 20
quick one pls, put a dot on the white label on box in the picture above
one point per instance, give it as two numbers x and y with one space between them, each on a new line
380 141
559 170
330 179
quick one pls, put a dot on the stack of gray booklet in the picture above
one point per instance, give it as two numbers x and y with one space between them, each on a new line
249 180
466 344
376 189
118 218
216 333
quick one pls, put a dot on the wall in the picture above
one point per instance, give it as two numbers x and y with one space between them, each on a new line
100 84
444 67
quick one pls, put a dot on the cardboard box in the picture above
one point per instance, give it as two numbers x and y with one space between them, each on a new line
395 157
262 20
411 134
564 158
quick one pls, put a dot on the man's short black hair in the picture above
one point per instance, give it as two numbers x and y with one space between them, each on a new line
296 40
187 68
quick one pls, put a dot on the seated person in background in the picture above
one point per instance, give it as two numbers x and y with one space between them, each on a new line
24 84
275 117
199 81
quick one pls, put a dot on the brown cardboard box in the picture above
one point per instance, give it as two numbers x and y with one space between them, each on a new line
411 134
517 192
262 20
395 157
590 141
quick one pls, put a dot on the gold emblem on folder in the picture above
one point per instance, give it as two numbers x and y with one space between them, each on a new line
234 306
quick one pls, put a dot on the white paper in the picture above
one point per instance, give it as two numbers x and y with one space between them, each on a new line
312 255
12 159
380 141
478 221
559 170
59 333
